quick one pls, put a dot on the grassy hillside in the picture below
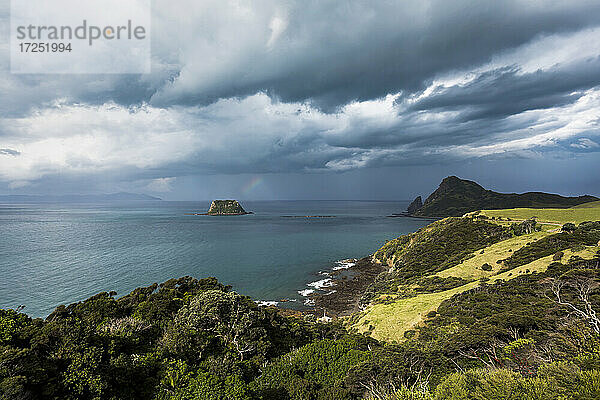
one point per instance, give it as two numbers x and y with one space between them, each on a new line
438 245
404 303
506 337
576 215
389 319
455 197
471 268
413 258
592 204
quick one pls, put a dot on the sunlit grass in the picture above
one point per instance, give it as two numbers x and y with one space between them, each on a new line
471 269
541 264
390 321
560 216
592 204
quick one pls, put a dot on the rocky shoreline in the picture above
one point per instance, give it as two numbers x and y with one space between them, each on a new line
346 285
406 214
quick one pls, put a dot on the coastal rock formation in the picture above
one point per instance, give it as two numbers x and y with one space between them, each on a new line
415 205
455 197
226 207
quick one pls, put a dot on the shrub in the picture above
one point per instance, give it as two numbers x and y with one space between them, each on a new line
568 227
315 367
183 383
404 393
555 381
525 227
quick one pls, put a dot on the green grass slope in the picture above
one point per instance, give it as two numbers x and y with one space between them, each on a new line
471 268
449 257
391 318
592 204
440 245
576 215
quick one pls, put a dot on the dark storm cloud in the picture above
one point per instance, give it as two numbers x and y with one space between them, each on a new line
301 87
329 53
27 93
456 37
335 52
506 91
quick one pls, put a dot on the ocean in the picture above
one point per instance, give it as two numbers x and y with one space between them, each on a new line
52 254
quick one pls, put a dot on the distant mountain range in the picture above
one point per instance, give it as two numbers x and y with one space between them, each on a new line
76 198
455 197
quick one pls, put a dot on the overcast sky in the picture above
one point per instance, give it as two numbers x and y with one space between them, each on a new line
320 100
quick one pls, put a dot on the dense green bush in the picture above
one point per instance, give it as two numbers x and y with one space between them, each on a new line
525 227
180 382
440 245
127 348
316 368
555 381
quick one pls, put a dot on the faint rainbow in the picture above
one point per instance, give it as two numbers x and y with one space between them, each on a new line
254 182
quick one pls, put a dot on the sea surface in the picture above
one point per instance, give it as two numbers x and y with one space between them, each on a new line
52 254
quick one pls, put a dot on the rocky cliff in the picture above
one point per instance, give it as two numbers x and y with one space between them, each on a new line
415 205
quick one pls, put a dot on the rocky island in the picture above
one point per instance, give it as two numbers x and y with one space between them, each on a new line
226 207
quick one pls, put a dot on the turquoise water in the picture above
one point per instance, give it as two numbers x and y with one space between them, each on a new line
52 254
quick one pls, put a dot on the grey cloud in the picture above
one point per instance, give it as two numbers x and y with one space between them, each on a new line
329 53
586 144
506 91
207 69
333 53
9 152
26 93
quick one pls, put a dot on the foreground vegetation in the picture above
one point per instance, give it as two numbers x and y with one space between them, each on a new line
470 308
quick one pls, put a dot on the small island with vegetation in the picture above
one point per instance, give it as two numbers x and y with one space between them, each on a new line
225 207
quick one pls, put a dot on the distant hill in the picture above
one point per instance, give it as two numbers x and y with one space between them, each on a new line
455 197
593 204
76 198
